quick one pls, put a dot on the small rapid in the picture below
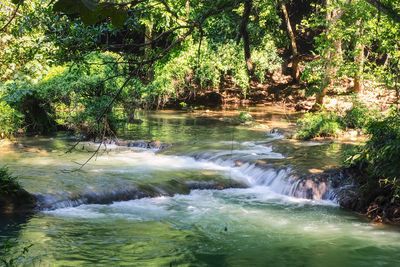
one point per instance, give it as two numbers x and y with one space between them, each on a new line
233 168
221 195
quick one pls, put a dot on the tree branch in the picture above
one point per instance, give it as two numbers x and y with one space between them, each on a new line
385 9
12 17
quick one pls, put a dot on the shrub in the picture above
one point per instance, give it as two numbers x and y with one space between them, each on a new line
8 183
358 116
72 96
244 116
321 124
10 120
378 161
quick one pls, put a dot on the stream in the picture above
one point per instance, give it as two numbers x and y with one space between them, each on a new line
221 195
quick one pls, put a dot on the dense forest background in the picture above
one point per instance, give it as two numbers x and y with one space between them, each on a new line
85 66
64 62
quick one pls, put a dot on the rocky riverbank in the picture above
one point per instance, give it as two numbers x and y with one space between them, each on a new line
13 198
377 207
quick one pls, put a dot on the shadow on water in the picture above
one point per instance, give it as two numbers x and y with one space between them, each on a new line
11 224
261 223
12 247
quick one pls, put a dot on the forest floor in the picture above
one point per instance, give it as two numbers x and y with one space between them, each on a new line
279 89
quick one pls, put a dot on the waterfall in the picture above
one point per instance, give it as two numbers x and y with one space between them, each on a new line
246 166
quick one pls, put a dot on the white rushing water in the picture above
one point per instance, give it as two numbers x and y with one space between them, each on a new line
144 164
103 215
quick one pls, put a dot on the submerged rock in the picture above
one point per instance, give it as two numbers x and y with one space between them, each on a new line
167 188
140 144
16 202
154 144
158 145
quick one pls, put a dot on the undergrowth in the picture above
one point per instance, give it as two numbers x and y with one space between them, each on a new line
377 163
321 124
330 124
8 183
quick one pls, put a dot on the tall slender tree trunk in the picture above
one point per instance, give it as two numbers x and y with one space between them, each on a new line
148 36
319 100
359 77
332 17
245 35
187 9
359 60
295 54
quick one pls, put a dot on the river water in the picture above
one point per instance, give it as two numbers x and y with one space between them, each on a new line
140 207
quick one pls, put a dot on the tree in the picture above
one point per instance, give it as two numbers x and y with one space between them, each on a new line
245 35
295 54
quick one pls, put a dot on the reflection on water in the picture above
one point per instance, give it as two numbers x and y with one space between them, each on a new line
85 223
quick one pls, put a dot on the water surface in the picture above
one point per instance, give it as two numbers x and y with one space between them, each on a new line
83 221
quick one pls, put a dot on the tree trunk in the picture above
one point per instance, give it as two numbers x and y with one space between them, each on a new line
359 77
359 60
295 54
246 41
331 56
148 36
326 81
329 69
187 9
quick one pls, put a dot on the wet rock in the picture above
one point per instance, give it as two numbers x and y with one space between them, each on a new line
158 145
312 189
139 144
217 185
18 145
19 201
238 163
135 121
155 144
121 143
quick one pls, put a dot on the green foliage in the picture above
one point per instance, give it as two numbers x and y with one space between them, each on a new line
72 95
378 161
358 116
10 120
79 93
215 61
245 116
92 12
322 124
13 261
331 124
25 49
313 74
8 183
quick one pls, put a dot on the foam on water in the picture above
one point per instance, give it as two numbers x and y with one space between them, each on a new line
225 162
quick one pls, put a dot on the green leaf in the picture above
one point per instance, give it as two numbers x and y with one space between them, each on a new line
67 6
90 13
89 17
89 4
118 16
16 2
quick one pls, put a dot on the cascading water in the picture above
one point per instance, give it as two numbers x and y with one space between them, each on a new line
138 207
239 165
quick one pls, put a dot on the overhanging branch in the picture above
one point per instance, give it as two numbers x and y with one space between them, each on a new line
385 9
